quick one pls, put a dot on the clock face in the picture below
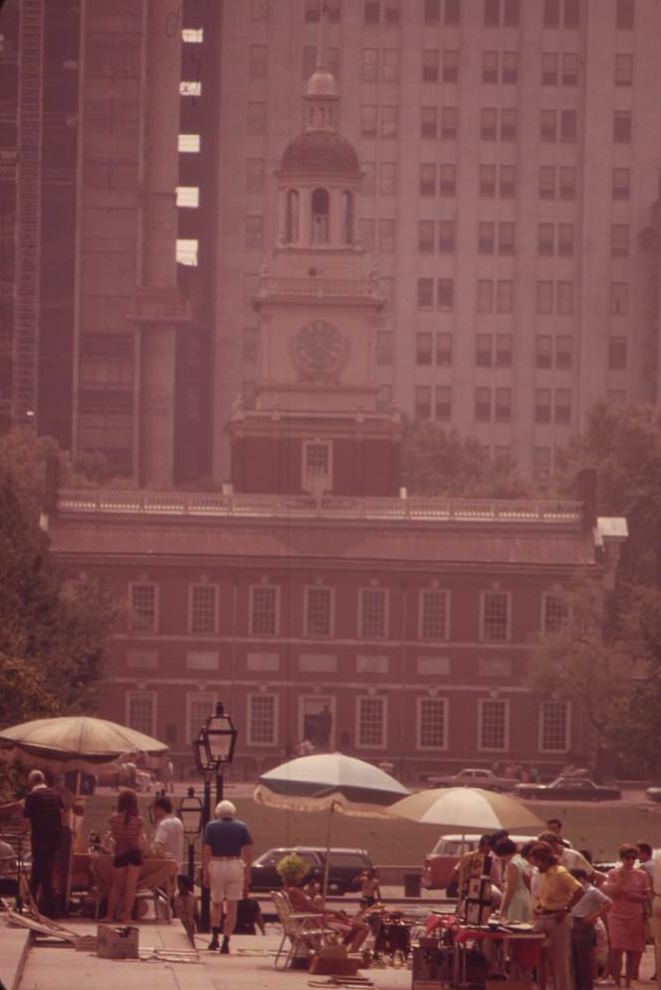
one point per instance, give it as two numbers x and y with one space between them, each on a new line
319 350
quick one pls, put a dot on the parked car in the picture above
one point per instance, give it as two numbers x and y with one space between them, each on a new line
569 789
345 866
474 778
440 862
654 793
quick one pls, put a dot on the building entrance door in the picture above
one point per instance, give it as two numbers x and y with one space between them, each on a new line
317 721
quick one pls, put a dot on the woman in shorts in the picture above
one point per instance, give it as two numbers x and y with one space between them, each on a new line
127 829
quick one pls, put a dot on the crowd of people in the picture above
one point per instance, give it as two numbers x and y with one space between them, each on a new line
596 923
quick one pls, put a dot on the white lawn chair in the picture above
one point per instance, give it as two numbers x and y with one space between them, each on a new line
302 933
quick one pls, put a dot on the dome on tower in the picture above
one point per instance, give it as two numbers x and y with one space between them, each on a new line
320 151
322 83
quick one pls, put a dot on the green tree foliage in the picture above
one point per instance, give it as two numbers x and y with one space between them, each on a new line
624 444
585 661
436 462
608 657
51 633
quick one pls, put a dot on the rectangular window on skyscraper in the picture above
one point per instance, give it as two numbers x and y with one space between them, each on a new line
430 65
370 64
425 293
445 293
444 350
389 122
620 238
449 123
622 126
426 239
442 403
368 121
621 183
256 118
423 348
450 66
390 65
428 122
624 15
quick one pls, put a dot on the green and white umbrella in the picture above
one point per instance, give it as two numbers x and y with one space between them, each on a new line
329 782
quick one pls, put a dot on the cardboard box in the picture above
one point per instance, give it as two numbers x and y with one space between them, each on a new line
337 965
117 941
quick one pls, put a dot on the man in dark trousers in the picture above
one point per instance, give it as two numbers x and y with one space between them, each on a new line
43 809
226 862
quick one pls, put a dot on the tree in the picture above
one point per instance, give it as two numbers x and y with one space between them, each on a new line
605 658
436 462
624 444
584 662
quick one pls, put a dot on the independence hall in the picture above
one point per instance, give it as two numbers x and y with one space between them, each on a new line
312 596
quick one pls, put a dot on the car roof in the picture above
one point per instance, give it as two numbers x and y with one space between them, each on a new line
316 849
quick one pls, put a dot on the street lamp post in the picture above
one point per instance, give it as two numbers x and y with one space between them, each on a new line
190 812
213 750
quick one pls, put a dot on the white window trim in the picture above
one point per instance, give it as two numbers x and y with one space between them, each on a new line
506 740
545 597
276 632
157 598
154 711
216 589
568 727
446 732
192 696
328 444
384 723
386 612
276 717
421 597
320 699
306 592
508 634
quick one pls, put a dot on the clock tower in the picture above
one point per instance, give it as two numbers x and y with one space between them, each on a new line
317 425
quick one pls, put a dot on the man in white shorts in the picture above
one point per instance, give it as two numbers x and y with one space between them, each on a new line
226 862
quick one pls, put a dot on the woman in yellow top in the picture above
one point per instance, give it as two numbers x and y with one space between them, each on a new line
555 891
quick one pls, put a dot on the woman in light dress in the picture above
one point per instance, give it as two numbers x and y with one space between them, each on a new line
629 889
516 904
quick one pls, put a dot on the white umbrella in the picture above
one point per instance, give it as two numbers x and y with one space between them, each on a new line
329 782
466 809
74 742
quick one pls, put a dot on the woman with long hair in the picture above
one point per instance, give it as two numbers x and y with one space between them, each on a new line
127 829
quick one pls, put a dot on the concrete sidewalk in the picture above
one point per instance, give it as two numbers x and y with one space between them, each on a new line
250 965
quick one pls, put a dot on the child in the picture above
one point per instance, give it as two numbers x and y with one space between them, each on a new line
370 891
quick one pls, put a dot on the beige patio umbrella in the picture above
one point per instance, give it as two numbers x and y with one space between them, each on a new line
74 742
466 809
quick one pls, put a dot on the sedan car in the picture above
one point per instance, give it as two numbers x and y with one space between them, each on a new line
344 868
473 777
568 789
654 794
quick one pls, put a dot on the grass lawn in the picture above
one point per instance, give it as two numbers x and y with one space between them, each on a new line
600 828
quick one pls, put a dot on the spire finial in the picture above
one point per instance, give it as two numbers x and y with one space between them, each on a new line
322 53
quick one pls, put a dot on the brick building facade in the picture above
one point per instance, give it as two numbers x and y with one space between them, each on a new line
409 620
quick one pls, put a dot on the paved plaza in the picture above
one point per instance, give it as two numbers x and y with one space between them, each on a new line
250 965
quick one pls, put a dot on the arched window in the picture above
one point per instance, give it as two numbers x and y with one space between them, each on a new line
347 217
320 216
291 216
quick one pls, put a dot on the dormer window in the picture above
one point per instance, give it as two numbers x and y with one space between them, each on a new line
347 217
320 216
291 216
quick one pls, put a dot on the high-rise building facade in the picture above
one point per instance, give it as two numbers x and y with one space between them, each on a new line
511 154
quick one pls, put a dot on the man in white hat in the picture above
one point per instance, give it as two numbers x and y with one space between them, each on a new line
226 862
